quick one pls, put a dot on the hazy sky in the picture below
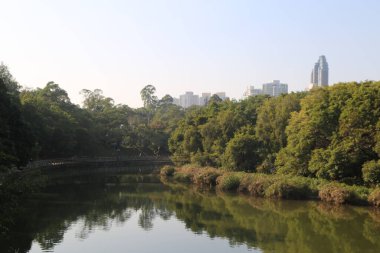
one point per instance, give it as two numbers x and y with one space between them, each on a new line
178 46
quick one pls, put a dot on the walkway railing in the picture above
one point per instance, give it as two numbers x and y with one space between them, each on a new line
92 160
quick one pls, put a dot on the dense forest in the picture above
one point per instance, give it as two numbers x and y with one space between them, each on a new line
331 133
43 123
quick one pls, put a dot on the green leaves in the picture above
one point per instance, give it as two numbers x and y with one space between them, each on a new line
204 135
242 153
334 133
148 97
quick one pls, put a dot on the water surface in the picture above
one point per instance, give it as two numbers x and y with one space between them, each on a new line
120 212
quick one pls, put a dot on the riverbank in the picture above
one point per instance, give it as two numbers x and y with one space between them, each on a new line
273 186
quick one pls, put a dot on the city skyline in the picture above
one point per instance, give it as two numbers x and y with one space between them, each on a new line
122 46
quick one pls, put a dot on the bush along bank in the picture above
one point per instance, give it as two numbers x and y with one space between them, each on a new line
273 186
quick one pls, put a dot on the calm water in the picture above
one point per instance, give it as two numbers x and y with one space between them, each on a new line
118 212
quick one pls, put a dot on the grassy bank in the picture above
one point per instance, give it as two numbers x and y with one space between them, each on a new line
273 186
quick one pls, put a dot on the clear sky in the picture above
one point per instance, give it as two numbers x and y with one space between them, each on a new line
186 45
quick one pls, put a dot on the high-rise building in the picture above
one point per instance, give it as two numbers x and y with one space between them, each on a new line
320 73
188 99
221 95
176 101
275 88
203 100
251 91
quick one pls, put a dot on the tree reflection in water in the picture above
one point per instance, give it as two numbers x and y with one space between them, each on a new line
272 226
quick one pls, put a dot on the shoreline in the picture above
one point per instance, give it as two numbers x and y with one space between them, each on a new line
273 186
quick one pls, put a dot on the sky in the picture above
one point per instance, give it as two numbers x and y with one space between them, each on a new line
186 45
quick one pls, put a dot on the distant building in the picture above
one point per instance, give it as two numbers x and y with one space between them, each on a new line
176 101
188 99
221 95
320 73
275 88
251 91
203 100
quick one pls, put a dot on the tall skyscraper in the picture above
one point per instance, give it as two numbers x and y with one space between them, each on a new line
320 73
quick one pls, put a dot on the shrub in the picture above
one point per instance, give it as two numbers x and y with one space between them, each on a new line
286 189
167 171
371 172
374 197
358 194
182 177
257 184
267 166
180 159
206 177
229 181
334 193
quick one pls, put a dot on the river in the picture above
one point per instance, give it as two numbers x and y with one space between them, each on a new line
115 211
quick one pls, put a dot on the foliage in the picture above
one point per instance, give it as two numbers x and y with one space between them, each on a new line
229 181
16 141
148 97
204 133
182 177
330 133
167 171
374 197
272 119
242 153
206 177
60 128
43 123
63 129
272 186
371 172
334 193
255 184
334 133
288 189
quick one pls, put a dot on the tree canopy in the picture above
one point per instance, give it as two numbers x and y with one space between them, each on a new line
331 133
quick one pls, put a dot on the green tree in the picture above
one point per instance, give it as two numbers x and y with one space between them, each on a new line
272 119
49 113
243 153
15 139
334 133
165 100
95 101
371 172
148 97
310 128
